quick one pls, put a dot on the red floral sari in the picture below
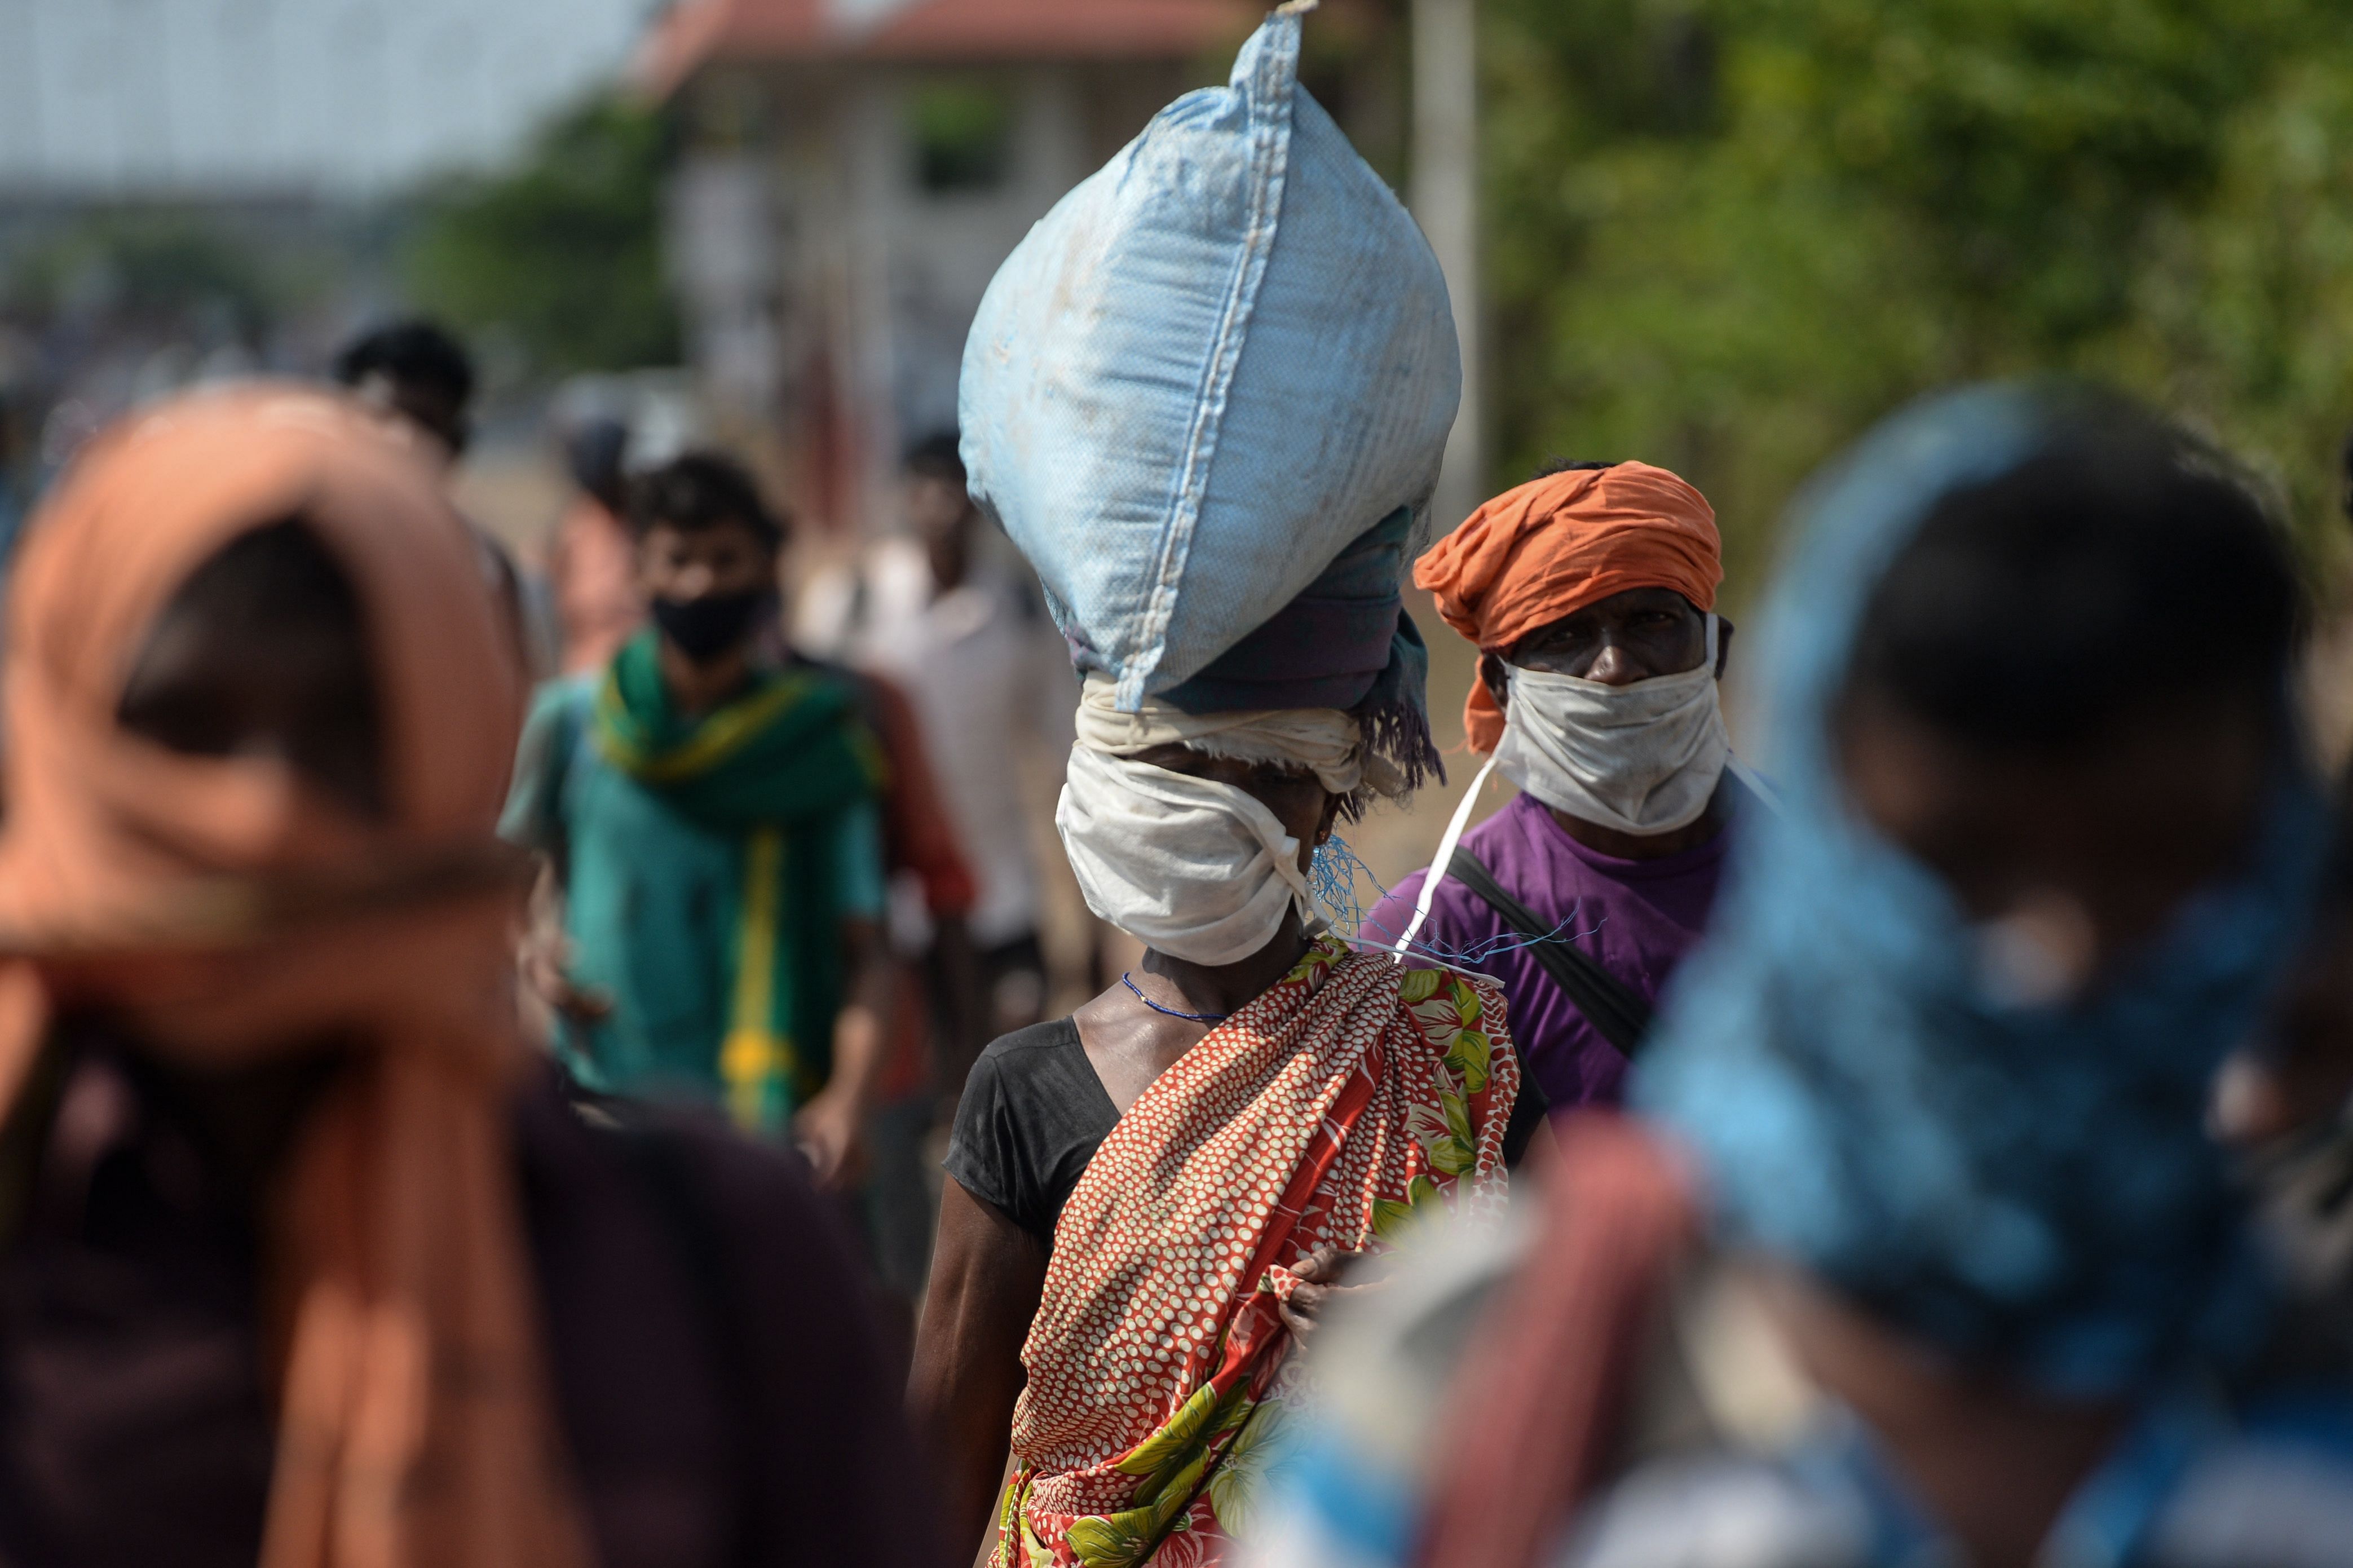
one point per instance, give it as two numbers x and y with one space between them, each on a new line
1322 1113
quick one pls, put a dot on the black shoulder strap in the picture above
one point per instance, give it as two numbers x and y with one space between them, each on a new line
1608 1003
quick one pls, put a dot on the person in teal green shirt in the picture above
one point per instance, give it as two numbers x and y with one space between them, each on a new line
712 823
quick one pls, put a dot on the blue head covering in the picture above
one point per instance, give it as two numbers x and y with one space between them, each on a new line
1345 642
2028 1185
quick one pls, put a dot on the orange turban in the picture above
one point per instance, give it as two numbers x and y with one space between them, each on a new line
226 907
1557 544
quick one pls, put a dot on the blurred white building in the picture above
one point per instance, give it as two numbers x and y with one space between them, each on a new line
851 174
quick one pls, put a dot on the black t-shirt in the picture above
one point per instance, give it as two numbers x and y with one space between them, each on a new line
1034 1113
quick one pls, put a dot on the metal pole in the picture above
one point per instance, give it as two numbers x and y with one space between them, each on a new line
1445 198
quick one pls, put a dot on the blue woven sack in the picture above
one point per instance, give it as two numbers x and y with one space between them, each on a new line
1215 364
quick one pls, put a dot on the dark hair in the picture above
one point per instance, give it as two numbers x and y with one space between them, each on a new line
414 352
594 452
2118 569
1565 466
698 490
939 456
272 598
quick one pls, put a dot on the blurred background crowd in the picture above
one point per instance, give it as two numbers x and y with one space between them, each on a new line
706 269
1719 235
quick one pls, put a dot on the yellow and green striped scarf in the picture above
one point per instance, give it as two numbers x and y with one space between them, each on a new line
776 766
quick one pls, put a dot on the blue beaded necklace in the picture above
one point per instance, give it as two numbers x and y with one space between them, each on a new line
1128 980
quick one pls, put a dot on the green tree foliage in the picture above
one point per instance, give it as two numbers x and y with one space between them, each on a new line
563 253
1727 234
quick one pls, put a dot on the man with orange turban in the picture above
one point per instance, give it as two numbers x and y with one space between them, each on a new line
1591 592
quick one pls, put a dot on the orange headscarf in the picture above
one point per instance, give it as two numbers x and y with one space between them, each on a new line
226 909
1557 544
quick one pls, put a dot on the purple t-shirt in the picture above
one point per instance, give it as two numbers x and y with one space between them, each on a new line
1637 917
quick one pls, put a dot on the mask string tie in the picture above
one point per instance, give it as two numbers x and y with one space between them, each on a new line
1441 861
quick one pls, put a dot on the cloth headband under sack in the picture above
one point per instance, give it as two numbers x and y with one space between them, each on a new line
1324 741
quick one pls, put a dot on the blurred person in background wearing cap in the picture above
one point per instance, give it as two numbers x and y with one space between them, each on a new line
419 379
306 1258
713 822
1591 592
1151 1199
1923 1249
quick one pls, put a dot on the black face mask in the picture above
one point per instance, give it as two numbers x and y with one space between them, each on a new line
702 628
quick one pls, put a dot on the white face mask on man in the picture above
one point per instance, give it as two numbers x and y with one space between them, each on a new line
1200 870
1642 758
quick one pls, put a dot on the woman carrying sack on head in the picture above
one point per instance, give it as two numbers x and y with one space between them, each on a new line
1153 1198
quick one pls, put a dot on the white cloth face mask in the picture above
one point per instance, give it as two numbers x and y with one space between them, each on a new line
1642 758
1200 870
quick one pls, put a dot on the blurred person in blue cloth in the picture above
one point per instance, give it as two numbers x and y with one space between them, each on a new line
713 822
1590 594
1921 1248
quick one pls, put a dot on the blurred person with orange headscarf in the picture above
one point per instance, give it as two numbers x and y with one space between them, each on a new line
1591 592
304 1255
